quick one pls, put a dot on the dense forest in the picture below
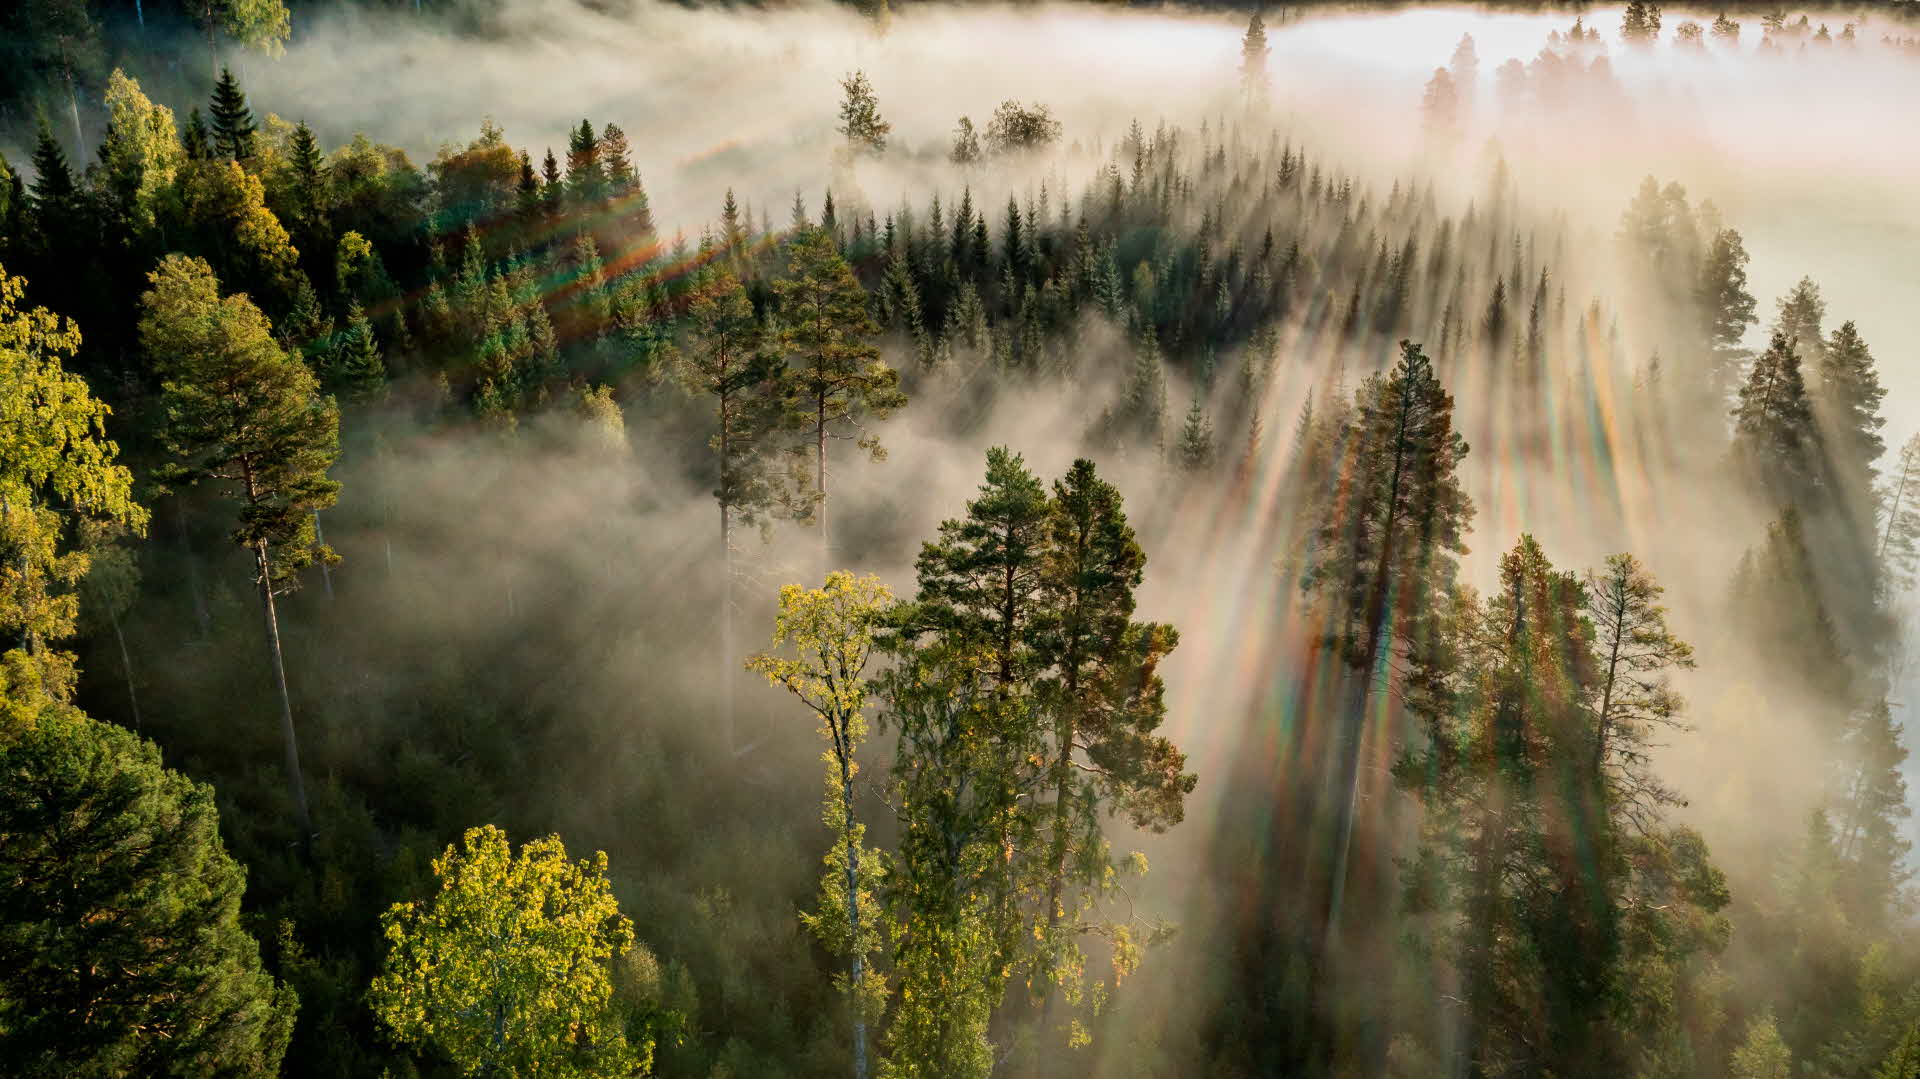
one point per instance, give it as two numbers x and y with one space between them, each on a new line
1209 570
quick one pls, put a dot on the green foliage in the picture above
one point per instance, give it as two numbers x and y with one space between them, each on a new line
830 632
120 924
860 122
505 969
233 126
241 413
1762 1055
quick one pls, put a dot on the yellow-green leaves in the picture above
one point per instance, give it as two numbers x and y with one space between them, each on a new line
55 456
53 432
505 969
830 632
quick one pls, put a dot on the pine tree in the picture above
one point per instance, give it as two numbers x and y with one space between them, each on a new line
1381 557
233 126
1106 701
121 932
1775 442
1797 317
1870 842
276 467
357 372
728 363
1726 310
1634 652
1847 404
839 380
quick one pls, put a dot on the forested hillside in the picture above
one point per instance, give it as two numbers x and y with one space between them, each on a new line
1293 560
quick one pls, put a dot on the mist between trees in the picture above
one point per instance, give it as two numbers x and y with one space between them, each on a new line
1281 579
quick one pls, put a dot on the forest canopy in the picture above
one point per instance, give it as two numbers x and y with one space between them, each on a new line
951 541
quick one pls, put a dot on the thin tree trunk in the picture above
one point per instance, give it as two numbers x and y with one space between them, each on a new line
297 785
126 665
853 912
1347 807
820 482
728 671
140 15
326 574
73 102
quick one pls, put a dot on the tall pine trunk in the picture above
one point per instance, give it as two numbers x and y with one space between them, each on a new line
326 574
296 784
820 479
1376 647
126 664
728 662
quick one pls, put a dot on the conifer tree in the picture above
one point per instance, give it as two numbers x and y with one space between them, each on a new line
1381 555
120 932
838 381
1196 452
729 364
586 170
616 159
1798 316
1775 442
964 700
1254 52
1847 403
1726 310
1870 843
1105 699
233 126
1635 653
196 141
245 415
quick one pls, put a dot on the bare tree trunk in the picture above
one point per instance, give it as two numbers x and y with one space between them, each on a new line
140 15
126 665
297 785
73 102
728 663
326 574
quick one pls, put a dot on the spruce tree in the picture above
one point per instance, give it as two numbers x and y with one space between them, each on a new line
1254 51
233 126
586 170
1196 450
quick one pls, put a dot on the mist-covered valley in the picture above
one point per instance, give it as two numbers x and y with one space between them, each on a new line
1046 539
